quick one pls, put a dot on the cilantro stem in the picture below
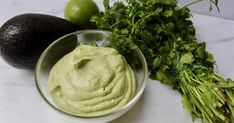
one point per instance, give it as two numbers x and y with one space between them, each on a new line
215 2
208 111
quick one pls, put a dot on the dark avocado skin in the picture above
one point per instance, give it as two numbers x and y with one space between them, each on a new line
24 37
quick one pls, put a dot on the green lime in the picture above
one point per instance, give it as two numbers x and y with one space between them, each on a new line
79 12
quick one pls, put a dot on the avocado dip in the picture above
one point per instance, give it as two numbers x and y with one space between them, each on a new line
91 81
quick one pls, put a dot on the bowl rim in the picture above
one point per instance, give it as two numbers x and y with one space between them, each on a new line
37 80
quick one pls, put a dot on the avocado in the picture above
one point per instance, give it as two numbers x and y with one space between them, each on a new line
24 37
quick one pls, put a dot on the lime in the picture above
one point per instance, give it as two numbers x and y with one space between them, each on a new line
79 12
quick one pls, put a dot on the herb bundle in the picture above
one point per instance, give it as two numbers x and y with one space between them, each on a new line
166 36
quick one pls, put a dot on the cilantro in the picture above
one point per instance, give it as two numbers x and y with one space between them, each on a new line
165 34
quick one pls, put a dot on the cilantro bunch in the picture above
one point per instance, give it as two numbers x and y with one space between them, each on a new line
166 36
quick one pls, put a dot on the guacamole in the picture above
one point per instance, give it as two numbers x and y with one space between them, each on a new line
91 81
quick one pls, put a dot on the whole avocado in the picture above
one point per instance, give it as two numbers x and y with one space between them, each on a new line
24 37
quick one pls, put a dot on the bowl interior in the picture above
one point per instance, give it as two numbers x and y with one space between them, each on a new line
69 42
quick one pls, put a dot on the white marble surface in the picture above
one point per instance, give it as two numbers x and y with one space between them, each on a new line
21 103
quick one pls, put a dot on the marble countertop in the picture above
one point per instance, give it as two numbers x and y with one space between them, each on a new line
21 103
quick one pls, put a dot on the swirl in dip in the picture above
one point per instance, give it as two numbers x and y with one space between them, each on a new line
91 81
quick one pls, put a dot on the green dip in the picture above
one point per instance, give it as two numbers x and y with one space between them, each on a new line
91 81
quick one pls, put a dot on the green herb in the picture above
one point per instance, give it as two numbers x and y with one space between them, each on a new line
165 34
